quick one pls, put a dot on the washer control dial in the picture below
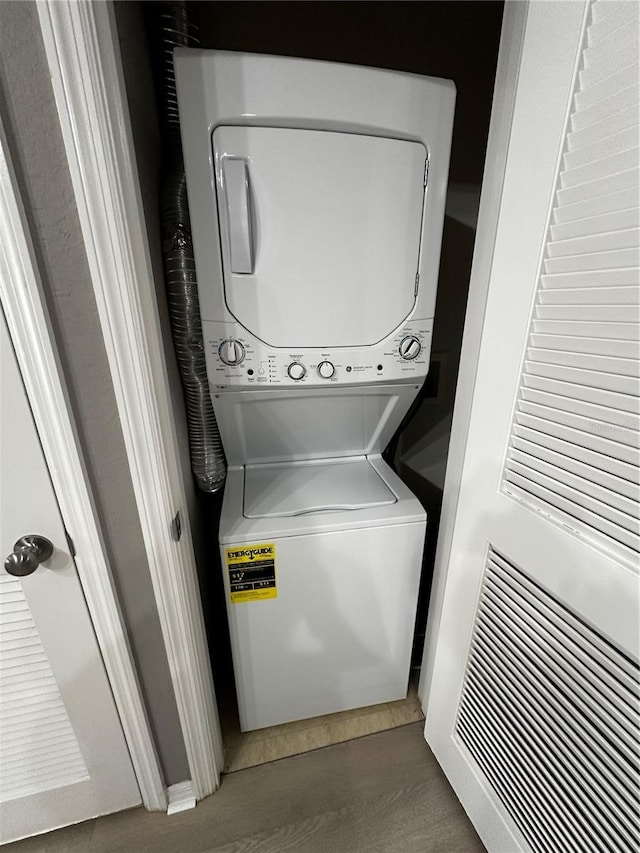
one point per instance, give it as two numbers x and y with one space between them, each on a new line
410 347
296 370
231 352
326 369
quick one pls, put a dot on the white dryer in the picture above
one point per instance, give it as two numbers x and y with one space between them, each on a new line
316 193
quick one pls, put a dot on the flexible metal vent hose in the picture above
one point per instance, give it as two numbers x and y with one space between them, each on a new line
208 462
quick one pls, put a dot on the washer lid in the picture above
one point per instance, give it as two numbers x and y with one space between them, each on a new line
299 488
320 233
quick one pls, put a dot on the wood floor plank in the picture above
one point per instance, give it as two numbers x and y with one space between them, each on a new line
71 838
380 794
395 821
248 749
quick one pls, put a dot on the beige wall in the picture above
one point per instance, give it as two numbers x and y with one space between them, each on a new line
29 114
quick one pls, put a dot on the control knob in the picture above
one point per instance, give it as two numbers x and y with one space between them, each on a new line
231 352
410 347
296 370
326 369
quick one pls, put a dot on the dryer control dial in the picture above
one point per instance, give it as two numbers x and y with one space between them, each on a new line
410 347
296 370
326 369
231 352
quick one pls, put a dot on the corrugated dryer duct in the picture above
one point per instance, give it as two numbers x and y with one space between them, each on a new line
208 462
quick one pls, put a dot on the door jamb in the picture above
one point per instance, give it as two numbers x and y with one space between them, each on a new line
84 59
83 53
511 41
23 302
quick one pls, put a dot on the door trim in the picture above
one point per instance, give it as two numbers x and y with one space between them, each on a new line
511 41
82 49
29 325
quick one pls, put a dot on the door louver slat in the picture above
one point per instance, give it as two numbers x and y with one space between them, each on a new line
619 363
580 807
611 183
549 776
622 100
594 380
604 260
578 404
512 792
596 227
594 329
614 162
569 390
607 448
620 490
568 512
623 140
598 55
585 695
605 241
587 744
592 278
614 507
593 92
596 205
623 120
38 747
572 451
624 447
609 295
549 712
609 18
567 649
611 313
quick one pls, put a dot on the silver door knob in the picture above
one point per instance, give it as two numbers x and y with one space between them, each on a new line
28 552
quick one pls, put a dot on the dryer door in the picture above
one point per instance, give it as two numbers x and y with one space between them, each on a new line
320 233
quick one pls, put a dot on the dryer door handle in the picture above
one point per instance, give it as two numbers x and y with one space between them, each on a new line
238 196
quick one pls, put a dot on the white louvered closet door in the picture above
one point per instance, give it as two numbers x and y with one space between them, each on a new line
63 756
534 707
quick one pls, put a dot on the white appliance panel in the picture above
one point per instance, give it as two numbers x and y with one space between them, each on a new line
402 357
219 88
283 425
339 633
320 233
287 489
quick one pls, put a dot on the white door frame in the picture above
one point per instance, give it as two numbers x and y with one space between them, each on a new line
29 325
509 55
83 53
84 59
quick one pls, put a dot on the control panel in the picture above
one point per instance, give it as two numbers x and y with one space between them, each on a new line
235 359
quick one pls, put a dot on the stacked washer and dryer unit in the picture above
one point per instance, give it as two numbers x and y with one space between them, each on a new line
317 195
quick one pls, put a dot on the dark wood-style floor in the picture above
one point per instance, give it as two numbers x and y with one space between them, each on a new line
378 794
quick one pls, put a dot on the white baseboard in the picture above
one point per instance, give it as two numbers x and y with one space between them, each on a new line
182 797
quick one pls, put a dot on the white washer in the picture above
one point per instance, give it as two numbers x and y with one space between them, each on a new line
317 195
338 635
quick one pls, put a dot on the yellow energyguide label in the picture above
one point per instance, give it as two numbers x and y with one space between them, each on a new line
252 572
